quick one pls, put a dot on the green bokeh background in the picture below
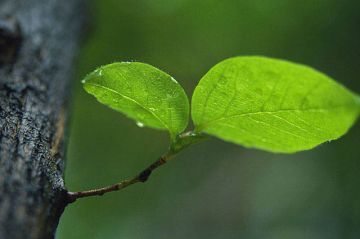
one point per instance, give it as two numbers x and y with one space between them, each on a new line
216 189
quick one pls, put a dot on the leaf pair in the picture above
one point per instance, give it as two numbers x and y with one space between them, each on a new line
256 102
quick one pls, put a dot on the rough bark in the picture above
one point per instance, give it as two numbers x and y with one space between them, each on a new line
38 42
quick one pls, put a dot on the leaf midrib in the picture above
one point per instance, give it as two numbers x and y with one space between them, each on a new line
206 125
132 100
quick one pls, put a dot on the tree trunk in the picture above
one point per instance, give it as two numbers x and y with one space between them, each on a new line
38 41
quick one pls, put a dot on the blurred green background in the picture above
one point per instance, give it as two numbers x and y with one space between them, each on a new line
216 189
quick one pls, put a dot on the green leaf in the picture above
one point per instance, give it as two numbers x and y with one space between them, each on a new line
272 104
142 92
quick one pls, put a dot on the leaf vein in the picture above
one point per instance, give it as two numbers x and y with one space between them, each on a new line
132 100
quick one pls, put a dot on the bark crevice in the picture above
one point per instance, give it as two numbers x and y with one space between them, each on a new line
38 43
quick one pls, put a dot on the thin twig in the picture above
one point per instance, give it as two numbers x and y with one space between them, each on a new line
141 177
182 141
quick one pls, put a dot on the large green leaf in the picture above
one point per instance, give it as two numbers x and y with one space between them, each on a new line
272 104
143 93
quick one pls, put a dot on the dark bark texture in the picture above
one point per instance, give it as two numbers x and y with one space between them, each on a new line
38 42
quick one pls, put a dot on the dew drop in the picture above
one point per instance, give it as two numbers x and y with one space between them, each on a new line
172 78
97 72
83 81
139 124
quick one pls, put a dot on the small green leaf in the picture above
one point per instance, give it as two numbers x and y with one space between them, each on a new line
272 104
142 92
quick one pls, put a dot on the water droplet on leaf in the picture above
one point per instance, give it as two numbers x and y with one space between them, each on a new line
172 78
139 124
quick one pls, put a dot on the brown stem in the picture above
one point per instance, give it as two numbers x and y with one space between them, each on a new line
181 142
141 177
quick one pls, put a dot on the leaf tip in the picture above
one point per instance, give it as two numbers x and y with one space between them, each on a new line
96 73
